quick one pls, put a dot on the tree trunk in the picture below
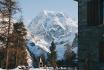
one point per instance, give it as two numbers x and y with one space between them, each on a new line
9 22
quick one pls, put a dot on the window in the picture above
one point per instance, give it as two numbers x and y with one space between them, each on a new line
95 12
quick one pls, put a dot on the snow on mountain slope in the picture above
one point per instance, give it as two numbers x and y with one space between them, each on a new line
37 42
51 26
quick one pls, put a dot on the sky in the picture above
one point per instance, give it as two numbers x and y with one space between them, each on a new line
31 8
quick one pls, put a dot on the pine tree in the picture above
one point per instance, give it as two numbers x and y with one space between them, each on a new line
52 57
68 55
20 43
17 50
7 10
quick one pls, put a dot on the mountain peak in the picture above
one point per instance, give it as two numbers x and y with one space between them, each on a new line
49 13
49 25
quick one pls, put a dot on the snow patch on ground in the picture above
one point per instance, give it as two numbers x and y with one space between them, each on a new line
29 69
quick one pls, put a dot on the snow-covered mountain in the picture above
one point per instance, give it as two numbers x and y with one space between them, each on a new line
51 26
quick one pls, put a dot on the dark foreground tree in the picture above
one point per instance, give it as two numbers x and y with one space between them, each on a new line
52 57
69 57
19 33
7 10
17 50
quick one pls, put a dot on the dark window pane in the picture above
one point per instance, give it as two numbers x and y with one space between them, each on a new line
95 12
